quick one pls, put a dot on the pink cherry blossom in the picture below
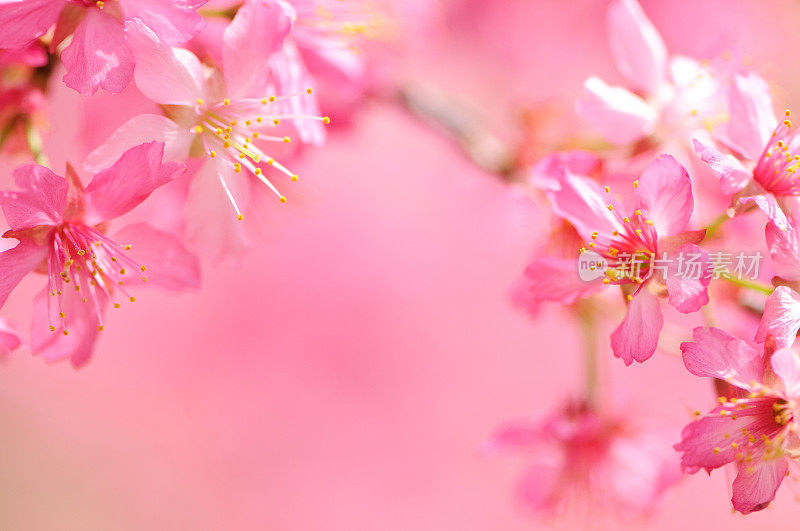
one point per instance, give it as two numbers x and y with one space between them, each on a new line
230 120
62 232
756 428
755 154
10 338
99 54
653 223
666 97
593 458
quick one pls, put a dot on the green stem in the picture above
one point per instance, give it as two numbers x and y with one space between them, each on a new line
713 229
751 284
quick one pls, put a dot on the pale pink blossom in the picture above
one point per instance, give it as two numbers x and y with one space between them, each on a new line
62 232
755 154
649 225
232 120
755 427
666 96
580 457
99 54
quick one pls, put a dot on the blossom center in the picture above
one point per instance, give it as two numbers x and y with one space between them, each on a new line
776 170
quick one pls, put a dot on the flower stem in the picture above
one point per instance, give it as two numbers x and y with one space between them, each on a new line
751 284
587 319
713 229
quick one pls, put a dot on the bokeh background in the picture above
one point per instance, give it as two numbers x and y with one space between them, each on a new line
345 371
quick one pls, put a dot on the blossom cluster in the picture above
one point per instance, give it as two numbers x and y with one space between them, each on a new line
697 165
215 99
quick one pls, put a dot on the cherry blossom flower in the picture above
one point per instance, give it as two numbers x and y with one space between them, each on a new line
228 119
755 154
756 427
62 232
10 338
582 456
629 241
667 97
99 54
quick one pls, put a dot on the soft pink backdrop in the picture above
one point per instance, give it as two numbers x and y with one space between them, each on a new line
344 373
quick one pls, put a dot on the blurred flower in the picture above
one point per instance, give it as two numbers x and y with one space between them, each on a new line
98 55
61 228
227 118
757 159
581 456
756 427
666 96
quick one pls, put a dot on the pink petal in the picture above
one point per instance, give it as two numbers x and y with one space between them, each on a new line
292 77
688 289
166 75
637 47
707 443
22 21
757 482
538 489
138 130
619 115
769 206
781 318
784 248
733 176
578 200
636 338
169 264
10 338
714 353
256 32
211 222
41 200
118 189
786 365
17 262
98 56
552 279
174 21
665 195
752 118
83 323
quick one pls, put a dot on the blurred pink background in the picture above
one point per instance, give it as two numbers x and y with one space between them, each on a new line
344 373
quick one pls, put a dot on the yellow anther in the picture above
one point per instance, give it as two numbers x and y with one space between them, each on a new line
226 102
241 217
286 139
52 328
61 314
133 299
200 101
212 154
788 113
116 305
716 449
649 221
606 281
237 168
309 90
787 123
610 208
264 101
276 121
636 183
626 219
630 298
283 199
326 120
637 212
607 189
591 245
272 98
143 268
594 235
127 247
234 123
65 332
294 178
100 328
226 144
198 129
